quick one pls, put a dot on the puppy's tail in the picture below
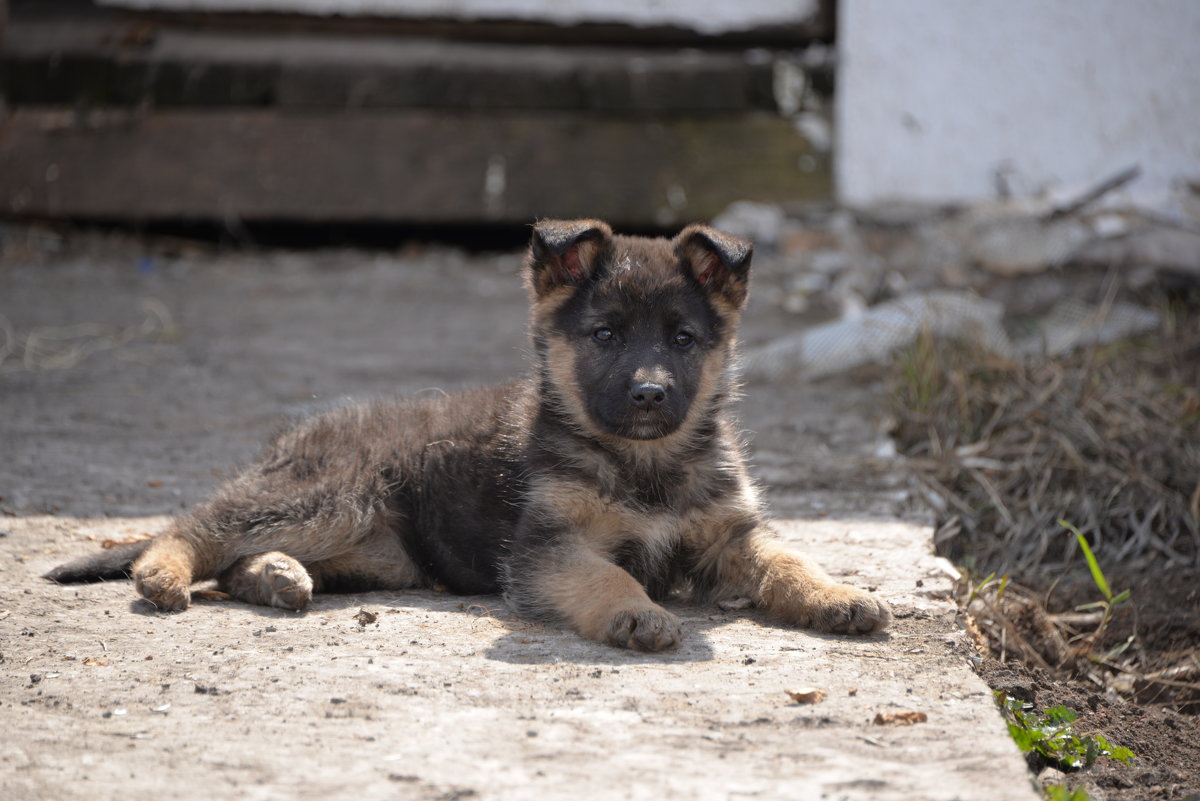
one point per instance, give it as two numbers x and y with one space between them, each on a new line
111 564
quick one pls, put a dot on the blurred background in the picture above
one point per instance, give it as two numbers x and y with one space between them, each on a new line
489 113
419 114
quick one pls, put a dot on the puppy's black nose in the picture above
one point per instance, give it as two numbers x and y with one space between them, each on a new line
647 396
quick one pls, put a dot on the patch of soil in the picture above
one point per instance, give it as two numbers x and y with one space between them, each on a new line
1145 699
1163 618
1167 743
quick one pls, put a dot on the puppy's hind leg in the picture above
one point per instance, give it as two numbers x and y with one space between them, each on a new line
165 572
228 536
269 579
257 533
377 562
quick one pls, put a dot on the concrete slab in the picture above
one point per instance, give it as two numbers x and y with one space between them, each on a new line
135 374
441 696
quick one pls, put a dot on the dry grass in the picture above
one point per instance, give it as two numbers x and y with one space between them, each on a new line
1013 623
63 347
1108 439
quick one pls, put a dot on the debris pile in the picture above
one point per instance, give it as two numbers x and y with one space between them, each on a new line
887 272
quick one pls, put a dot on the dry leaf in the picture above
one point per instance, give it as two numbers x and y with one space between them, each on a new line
211 595
95 661
904 718
806 695
107 544
366 618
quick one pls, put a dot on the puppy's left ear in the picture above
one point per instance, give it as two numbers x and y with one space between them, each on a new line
718 262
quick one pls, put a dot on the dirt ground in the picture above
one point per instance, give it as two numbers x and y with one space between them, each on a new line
138 372
1167 744
1153 717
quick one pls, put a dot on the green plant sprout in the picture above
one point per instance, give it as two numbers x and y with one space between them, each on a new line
1051 736
1107 604
978 589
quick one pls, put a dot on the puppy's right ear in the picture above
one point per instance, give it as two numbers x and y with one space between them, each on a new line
566 253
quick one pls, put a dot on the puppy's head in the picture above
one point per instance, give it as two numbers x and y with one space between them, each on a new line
635 335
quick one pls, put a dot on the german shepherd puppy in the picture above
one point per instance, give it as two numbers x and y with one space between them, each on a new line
610 477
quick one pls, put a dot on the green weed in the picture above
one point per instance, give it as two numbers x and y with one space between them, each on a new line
1060 792
1051 736
1106 605
990 581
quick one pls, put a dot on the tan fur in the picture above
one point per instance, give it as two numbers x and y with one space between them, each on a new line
603 602
381 558
599 525
561 362
164 574
795 590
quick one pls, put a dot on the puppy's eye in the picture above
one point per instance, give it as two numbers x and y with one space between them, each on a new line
683 340
602 334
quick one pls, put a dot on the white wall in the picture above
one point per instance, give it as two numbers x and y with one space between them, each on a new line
935 97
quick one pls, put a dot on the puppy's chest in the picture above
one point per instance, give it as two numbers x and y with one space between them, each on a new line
659 490
658 516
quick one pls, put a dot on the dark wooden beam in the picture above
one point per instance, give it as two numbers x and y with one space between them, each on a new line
104 62
414 166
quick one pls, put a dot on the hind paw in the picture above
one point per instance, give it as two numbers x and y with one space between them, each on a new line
269 579
286 584
163 587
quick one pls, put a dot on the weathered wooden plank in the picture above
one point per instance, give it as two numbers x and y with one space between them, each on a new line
106 62
797 32
701 17
410 166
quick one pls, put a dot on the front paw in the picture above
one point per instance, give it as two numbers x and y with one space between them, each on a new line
648 629
840 609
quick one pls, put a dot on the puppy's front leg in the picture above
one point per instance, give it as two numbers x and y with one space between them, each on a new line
793 588
605 603
596 597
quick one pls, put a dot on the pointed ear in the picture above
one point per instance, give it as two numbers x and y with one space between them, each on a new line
566 252
718 262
